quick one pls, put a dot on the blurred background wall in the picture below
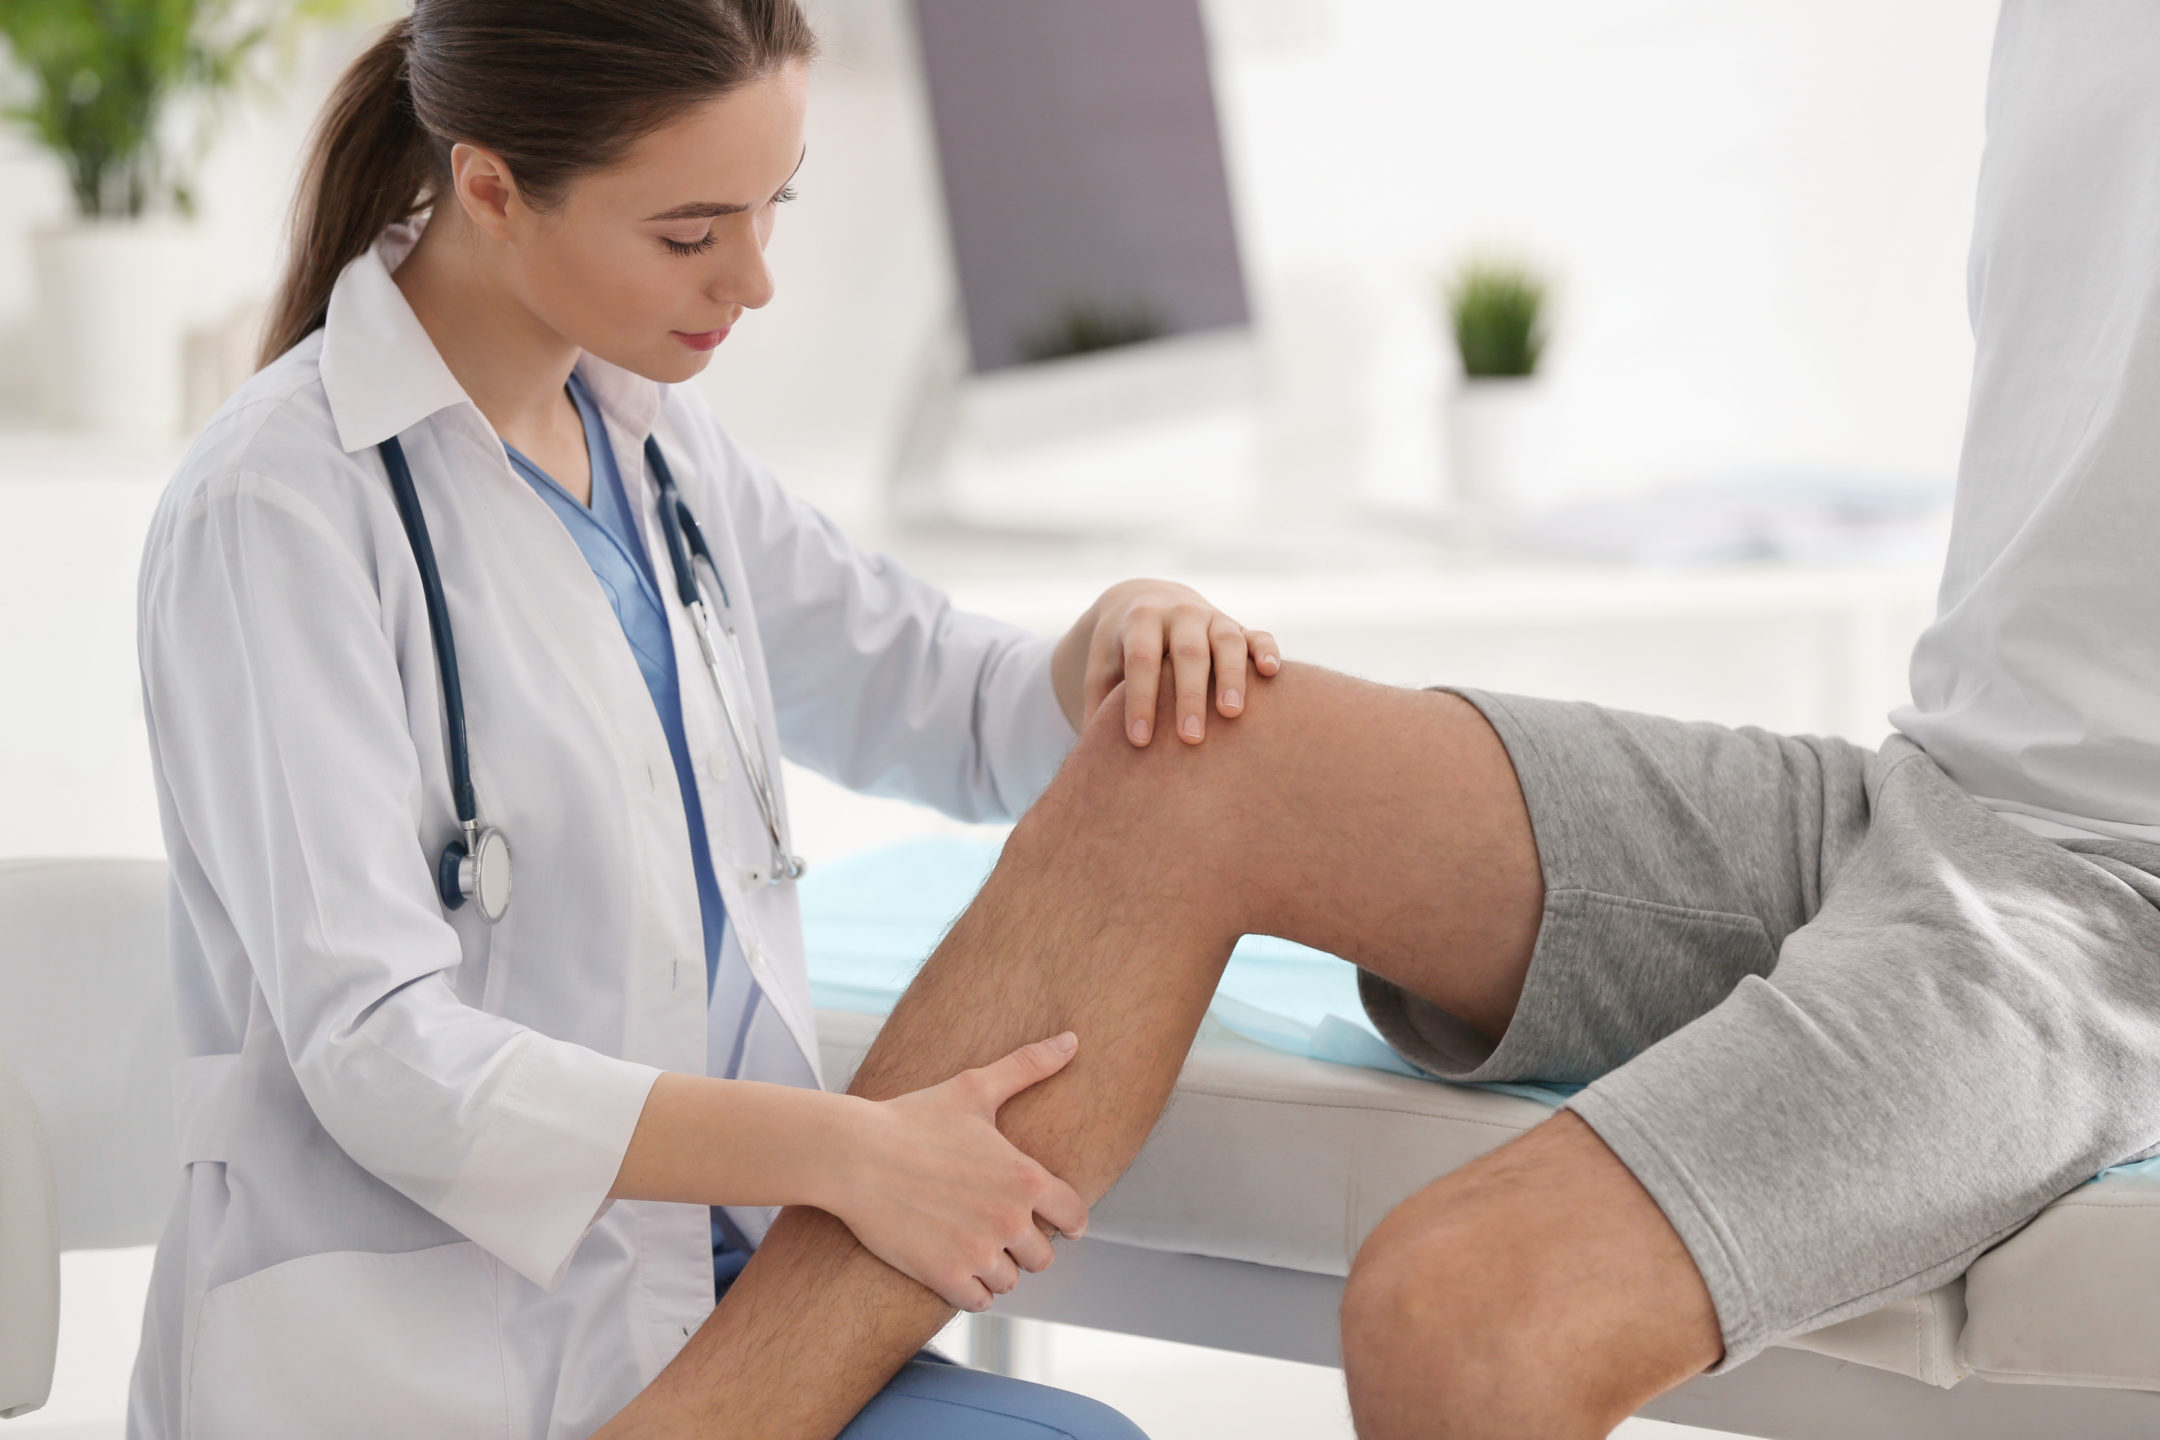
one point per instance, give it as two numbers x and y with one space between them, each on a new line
1755 214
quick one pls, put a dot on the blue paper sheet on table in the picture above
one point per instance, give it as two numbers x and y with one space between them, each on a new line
870 920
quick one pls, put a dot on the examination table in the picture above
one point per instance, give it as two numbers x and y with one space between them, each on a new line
1238 1221
1233 1229
1236 1224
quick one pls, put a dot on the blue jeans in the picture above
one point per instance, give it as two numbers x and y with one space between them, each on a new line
933 1399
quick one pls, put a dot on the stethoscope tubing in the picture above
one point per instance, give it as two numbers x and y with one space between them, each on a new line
686 546
438 613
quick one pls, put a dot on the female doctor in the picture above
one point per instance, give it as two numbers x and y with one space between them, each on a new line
471 647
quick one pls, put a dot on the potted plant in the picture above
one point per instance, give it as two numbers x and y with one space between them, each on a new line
1496 309
100 84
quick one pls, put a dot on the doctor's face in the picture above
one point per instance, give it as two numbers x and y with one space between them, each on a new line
648 264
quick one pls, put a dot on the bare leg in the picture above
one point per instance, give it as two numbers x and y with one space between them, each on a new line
1536 1292
1381 824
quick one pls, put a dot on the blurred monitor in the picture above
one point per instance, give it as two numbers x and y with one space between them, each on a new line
1108 361
1083 174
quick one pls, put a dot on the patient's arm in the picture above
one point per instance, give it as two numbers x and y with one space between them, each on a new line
1383 825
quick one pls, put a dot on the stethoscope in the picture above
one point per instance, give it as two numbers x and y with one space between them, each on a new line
476 866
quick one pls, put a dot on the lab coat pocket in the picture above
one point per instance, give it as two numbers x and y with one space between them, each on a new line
351 1345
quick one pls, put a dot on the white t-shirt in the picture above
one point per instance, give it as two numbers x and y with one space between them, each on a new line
2038 686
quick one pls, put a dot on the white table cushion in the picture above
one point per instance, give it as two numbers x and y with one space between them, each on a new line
2074 1297
1268 1158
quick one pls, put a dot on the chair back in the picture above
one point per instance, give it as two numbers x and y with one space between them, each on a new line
29 1253
87 1022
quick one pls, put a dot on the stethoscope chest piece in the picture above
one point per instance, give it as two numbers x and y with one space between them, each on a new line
480 874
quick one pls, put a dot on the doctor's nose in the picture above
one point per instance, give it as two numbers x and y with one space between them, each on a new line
742 277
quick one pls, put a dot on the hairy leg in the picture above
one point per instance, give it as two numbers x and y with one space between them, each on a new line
1381 824
1537 1291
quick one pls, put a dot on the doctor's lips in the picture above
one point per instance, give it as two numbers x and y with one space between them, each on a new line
702 339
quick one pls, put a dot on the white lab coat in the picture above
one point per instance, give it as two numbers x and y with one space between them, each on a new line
401 1127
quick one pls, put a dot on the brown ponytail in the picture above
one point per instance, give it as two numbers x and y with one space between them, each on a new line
556 87
367 168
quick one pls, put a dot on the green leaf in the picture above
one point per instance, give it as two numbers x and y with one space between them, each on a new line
1081 327
1497 308
93 82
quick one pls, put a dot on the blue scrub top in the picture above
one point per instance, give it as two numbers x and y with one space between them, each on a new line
608 536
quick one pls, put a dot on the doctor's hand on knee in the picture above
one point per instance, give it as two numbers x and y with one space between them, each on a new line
1128 634
935 1191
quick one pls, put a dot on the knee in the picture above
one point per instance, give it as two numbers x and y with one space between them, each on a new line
1296 702
1404 1317
1441 1336
1200 822
1207 781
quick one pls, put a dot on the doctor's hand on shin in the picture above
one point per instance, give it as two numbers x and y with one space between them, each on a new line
1127 635
925 1180
936 1192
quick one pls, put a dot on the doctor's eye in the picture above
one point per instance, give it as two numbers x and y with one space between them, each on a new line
787 193
690 247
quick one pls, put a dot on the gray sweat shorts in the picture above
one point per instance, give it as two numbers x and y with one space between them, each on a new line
1849 1028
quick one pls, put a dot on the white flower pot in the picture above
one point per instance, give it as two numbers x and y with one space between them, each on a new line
115 298
1498 444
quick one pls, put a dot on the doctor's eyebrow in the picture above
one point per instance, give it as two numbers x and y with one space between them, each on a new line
709 209
698 210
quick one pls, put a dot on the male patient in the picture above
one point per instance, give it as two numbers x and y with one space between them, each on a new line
1848 1019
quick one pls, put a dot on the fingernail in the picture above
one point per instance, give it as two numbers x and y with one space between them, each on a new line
1191 726
1065 1043
1271 661
1231 699
1139 732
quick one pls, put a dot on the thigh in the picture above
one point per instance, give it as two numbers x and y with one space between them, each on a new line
930 1400
1674 857
1380 824
1969 1028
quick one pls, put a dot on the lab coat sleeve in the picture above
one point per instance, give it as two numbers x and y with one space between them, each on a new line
281 729
878 680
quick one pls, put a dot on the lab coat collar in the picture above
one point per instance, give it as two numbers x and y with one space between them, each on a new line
625 397
382 374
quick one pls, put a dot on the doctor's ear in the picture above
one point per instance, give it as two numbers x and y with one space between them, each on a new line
485 189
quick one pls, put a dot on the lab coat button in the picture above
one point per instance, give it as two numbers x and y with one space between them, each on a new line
716 767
